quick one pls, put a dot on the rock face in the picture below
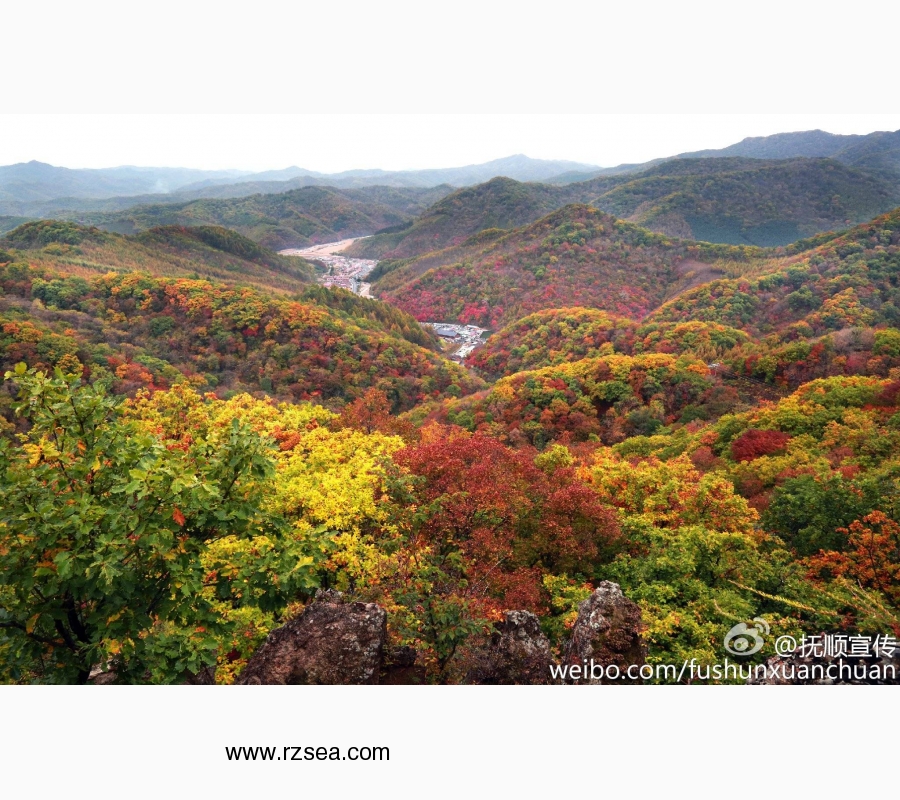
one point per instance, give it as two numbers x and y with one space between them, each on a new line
607 633
828 670
517 653
331 642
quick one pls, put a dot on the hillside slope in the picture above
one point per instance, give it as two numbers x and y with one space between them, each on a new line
560 335
138 331
723 200
830 310
849 281
574 256
877 152
300 217
204 251
748 201
500 203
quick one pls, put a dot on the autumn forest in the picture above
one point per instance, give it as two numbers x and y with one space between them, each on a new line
689 387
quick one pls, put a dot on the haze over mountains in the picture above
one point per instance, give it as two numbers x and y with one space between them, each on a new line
35 181
764 191
37 188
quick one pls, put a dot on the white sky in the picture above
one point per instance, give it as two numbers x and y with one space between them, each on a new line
403 84
334 142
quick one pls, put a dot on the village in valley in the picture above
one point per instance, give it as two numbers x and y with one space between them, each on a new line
459 340
340 271
348 273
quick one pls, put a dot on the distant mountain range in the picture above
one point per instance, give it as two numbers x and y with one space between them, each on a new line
38 190
35 181
877 152
765 191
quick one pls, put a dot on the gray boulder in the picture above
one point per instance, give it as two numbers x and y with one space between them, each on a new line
518 652
607 634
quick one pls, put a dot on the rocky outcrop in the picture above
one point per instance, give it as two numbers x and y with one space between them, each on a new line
606 636
331 642
518 652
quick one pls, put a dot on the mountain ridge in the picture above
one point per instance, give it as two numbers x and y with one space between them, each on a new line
37 182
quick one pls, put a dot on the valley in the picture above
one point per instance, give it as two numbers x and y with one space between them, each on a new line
460 340
340 271
343 272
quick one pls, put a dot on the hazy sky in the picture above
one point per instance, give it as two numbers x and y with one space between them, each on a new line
334 142
431 85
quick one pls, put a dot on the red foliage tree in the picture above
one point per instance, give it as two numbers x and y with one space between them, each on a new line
753 443
510 520
872 558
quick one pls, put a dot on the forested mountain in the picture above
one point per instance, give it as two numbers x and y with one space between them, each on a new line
500 203
826 309
575 256
278 221
877 152
748 201
806 144
768 191
726 200
202 251
833 309
550 337
138 331
560 335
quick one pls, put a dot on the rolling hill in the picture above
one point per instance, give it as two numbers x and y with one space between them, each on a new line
551 337
848 281
201 251
749 201
137 331
560 335
878 152
500 203
575 256
828 308
310 215
726 200
609 398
